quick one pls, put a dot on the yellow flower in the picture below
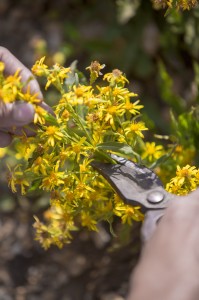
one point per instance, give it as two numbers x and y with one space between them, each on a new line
76 149
116 77
17 177
40 165
152 151
111 112
11 177
10 87
2 66
175 189
133 108
186 180
23 183
185 173
80 94
39 116
88 221
29 97
57 75
25 148
52 179
85 166
52 134
122 93
65 115
3 152
128 213
136 128
39 68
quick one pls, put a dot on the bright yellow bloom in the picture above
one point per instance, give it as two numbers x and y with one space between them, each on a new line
3 152
65 115
53 179
136 128
116 77
51 135
152 151
29 97
80 94
88 221
40 165
111 112
25 148
2 66
128 213
185 173
186 180
39 116
85 167
175 189
10 88
122 93
133 108
39 68
57 76
78 148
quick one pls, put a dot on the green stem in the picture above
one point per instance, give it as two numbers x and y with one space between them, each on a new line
78 120
104 156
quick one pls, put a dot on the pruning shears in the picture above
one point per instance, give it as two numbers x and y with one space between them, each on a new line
137 185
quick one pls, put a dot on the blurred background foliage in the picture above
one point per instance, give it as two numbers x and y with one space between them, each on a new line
156 47
158 53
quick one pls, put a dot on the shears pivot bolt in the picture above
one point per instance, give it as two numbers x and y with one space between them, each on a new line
155 197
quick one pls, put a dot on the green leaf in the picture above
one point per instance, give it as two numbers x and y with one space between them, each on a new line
35 186
50 119
117 147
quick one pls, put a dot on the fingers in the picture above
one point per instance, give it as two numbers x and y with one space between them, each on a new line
47 108
5 139
12 64
16 114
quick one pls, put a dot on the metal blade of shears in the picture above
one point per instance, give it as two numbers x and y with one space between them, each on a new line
137 185
134 183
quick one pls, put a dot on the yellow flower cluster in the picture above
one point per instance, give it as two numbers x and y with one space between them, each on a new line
185 181
91 121
183 4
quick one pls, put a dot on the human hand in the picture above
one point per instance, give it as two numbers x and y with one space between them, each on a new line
14 116
169 265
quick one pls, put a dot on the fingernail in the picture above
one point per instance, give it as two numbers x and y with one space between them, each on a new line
23 113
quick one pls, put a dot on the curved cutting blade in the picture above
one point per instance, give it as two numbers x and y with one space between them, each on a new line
133 183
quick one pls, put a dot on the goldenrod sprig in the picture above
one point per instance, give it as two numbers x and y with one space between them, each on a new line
91 122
